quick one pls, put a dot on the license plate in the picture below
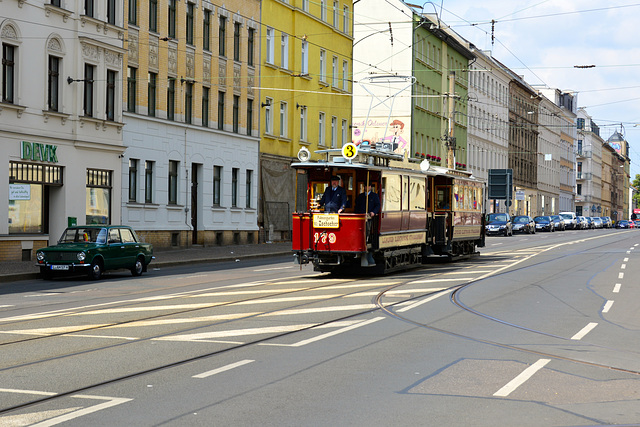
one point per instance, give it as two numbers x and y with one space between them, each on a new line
59 267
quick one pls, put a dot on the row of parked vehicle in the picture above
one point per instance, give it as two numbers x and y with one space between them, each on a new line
504 224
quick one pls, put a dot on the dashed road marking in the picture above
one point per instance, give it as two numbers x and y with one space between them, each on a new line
607 306
584 331
223 369
520 379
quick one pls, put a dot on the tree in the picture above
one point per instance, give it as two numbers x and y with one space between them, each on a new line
636 196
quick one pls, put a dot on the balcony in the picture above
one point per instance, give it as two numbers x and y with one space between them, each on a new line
584 176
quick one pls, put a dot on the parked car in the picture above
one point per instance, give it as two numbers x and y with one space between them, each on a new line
523 224
589 222
623 223
597 222
558 222
544 223
570 220
637 223
583 223
499 223
92 249
606 222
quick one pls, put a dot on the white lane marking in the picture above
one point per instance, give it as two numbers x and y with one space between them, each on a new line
584 331
235 333
617 287
466 272
6 306
223 369
54 331
38 393
520 379
112 401
330 334
424 301
440 280
274 268
607 306
620 275
103 336
623 266
626 259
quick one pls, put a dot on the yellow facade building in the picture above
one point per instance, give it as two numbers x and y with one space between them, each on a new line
305 80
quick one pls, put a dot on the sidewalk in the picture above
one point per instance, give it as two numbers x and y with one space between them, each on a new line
22 270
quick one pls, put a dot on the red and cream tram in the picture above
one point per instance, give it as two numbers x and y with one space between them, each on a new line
425 211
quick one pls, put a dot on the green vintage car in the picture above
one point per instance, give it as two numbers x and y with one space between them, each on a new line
92 249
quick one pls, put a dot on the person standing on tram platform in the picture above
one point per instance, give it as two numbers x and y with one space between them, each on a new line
368 202
334 198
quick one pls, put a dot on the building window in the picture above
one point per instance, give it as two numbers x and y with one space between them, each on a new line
284 51
236 41
54 83
148 181
283 119
111 95
323 66
190 8
88 8
173 182
151 94
345 20
270 46
336 10
304 66
345 135
220 110
171 98
172 19
250 45
217 181
268 117
303 123
323 10
133 179
88 90
98 197
133 12
111 12
234 187
8 73
579 189
248 187
131 89
236 113
206 30
249 116
153 15
334 72
305 5
334 132
345 76
222 36
321 128
205 106
188 102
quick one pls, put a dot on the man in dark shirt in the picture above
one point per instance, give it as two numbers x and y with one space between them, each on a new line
373 207
334 198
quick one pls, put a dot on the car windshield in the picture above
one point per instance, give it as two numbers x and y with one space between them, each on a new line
521 220
84 235
541 219
497 217
566 216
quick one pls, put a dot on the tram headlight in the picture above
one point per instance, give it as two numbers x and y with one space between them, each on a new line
40 256
81 256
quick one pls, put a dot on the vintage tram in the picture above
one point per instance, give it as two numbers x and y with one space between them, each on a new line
425 212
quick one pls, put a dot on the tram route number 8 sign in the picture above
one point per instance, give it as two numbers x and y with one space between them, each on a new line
349 151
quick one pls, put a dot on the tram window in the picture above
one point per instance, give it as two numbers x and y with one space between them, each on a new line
405 193
443 197
391 191
417 193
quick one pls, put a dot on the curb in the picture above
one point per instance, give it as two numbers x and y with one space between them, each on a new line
15 277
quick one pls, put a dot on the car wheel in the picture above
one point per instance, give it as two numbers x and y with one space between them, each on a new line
138 268
96 270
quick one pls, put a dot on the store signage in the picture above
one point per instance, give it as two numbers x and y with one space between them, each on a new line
38 152
19 192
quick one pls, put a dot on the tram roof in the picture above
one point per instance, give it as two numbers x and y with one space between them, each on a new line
373 159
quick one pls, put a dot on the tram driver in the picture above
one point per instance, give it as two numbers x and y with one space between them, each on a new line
334 198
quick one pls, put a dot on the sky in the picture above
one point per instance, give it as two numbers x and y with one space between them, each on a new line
544 40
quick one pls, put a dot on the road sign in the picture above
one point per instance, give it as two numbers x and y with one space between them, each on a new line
500 183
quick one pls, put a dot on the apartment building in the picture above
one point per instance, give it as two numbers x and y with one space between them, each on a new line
588 166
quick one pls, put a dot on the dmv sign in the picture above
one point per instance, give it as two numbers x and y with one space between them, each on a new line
38 152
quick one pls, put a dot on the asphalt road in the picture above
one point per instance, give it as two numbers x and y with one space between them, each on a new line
538 330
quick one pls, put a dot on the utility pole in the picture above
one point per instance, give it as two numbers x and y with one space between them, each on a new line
450 138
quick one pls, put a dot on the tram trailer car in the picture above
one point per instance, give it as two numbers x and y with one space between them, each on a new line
426 211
